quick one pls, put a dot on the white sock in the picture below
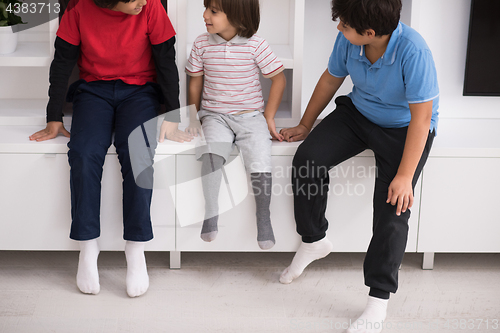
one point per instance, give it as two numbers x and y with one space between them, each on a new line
307 253
87 277
372 319
137 273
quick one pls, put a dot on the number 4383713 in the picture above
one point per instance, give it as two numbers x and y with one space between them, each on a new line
33 8
469 324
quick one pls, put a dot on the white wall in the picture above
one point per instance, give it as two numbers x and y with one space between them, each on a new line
445 24
319 36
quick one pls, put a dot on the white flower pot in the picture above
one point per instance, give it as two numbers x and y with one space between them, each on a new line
8 39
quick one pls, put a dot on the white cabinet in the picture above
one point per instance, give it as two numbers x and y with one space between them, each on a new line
35 204
237 226
456 212
459 200
34 177
349 209
35 200
459 205
163 204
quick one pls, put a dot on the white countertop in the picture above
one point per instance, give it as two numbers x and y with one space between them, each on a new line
467 138
456 138
15 139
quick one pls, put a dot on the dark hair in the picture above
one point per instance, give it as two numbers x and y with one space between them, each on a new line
379 15
109 4
244 15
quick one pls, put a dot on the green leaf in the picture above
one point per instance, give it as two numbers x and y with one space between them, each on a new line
11 18
3 12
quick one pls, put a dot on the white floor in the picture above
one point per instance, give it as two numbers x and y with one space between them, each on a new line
240 292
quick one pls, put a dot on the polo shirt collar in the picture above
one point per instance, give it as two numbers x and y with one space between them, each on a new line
215 39
389 55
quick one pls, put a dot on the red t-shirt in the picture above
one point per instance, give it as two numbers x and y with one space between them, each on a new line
115 45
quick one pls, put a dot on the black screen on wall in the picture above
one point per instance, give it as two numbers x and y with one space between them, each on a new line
482 67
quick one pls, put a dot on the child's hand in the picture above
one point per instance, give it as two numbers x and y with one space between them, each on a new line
400 194
51 131
170 131
271 125
297 133
194 127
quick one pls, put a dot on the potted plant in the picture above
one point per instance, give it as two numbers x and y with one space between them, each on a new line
8 25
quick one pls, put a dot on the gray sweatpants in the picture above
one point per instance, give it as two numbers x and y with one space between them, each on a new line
248 131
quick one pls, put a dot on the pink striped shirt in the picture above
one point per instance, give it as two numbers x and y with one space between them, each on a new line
231 69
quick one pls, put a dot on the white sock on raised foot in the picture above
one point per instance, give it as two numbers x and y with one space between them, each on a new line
137 273
371 320
87 277
307 253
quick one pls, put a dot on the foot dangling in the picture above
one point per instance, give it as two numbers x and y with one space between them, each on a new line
307 253
87 277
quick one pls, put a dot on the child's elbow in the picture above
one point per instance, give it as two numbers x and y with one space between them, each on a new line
279 79
282 76
421 113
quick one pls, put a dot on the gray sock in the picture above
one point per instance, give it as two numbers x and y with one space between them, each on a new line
262 185
211 177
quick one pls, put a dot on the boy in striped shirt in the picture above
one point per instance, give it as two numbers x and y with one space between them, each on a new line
224 65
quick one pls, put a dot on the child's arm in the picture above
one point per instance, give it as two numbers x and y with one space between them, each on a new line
65 58
278 83
194 98
168 79
325 89
400 189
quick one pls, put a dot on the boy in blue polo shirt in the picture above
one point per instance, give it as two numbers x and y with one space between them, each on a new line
391 110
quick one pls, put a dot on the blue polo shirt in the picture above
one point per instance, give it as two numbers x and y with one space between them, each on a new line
382 91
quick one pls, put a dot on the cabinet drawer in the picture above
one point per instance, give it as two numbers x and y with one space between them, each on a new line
35 204
459 205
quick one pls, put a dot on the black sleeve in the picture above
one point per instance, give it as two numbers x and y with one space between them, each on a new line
168 78
65 57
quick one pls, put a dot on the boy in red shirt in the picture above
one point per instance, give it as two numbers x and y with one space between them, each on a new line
122 49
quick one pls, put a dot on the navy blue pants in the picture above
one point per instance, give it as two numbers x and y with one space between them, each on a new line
343 134
103 110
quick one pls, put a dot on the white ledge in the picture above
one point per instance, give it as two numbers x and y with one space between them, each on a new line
28 54
459 138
